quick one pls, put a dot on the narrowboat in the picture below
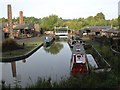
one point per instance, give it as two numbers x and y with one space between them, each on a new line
79 65
71 42
47 42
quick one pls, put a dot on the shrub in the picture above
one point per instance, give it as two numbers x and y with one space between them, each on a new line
10 44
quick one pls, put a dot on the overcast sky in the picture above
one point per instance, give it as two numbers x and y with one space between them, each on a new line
119 8
67 9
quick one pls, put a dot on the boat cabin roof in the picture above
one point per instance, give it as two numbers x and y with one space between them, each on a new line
78 48
80 58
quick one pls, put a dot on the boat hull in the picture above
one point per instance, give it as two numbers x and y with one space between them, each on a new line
79 65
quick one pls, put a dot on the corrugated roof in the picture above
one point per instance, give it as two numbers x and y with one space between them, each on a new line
101 27
111 31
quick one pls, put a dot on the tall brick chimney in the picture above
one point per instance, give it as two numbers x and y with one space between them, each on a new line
10 25
21 17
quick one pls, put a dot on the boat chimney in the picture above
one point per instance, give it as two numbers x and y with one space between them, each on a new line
74 58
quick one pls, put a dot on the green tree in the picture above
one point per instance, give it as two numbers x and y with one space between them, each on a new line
50 22
114 22
30 20
119 21
55 48
100 16
3 20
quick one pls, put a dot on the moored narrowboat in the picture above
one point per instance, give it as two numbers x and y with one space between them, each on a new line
79 63
47 42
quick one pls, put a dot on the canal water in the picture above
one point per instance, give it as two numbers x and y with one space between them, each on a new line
52 62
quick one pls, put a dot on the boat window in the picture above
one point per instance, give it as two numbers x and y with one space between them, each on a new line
78 50
73 42
46 37
78 56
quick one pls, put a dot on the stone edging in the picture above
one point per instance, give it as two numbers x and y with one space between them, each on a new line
17 58
114 50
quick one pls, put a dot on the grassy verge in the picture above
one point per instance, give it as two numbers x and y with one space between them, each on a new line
27 47
93 80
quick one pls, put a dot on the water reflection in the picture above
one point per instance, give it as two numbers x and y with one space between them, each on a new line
13 66
54 48
16 78
40 64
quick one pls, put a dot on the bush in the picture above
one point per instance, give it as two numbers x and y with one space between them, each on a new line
10 44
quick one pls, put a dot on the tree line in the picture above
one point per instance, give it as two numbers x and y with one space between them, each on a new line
49 22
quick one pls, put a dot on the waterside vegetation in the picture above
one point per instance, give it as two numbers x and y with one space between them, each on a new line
11 48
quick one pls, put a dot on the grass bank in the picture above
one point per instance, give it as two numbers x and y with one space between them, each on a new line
27 47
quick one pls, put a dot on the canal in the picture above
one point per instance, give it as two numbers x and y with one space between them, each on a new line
52 62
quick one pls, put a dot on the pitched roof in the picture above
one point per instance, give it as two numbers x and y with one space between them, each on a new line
100 27
24 26
111 30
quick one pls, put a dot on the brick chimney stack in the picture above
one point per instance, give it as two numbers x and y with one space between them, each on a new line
10 25
21 17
